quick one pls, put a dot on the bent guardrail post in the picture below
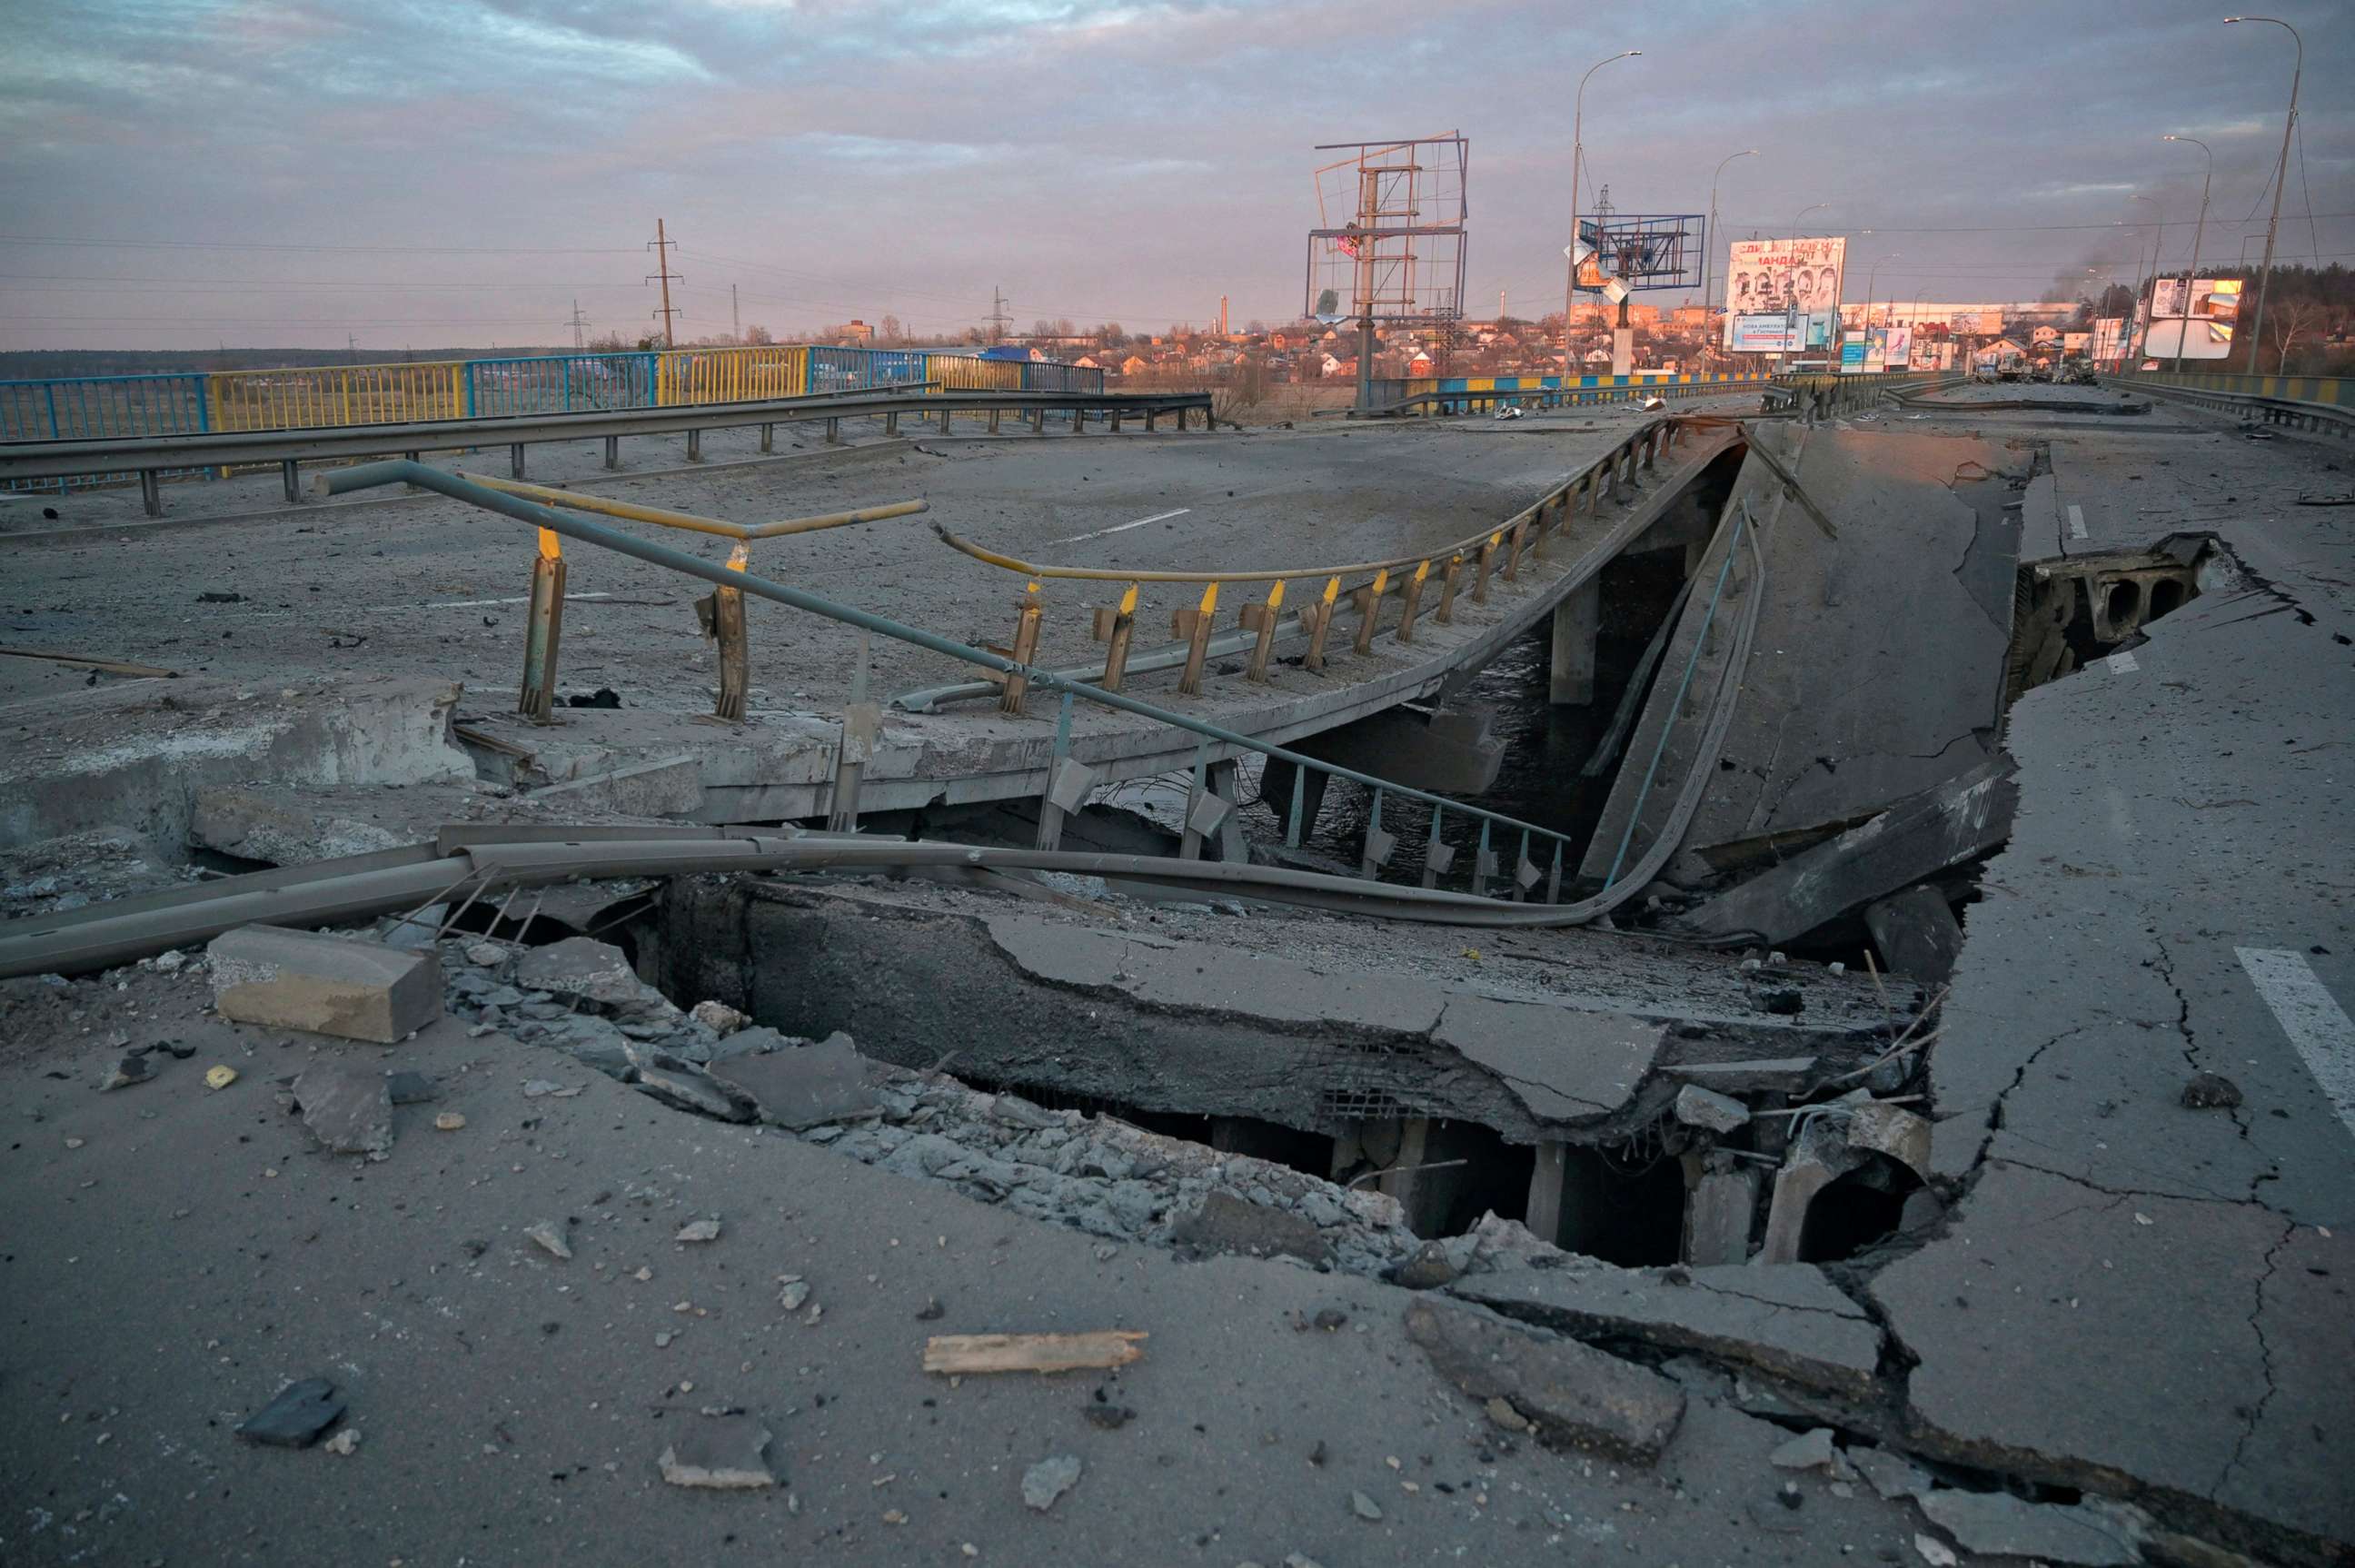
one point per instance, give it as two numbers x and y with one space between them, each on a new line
1412 602
1068 782
1316 634
735 656
1380 846
1446 611
861 722
543 627
1267 612
1197 641
1369 600
1026 647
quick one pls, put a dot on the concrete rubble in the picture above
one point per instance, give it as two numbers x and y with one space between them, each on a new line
1568 1393
328 984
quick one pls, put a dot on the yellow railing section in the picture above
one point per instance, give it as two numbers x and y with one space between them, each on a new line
301 398
729 375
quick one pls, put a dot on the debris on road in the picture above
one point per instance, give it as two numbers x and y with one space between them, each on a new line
448 1121
2092 1534
1049 1480
801 1087
295 1419
2211 1092
348 1109
132 1067
698 1231
550 1237
967 1353
219 1076
1570 1392
724 1453
327 984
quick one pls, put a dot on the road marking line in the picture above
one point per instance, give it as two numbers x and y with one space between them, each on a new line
487 603
2312 1019
2121 663
1124 527
2076 522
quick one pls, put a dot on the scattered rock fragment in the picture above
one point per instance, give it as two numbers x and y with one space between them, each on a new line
550 1237
219 1076
1364 1506
721 1452
1500 1411
344 1442
1432 1266
295 1419
796 1291
1571 1392
1934 1552
1049 1480
698 1231
1226 1224
1709 1110
348 1109
2211 1092
718 1018
1892 1475
685 1089
803 1086
448 1121
584 970
1997 1524
1810 1451
486 955
130 1069
411 1088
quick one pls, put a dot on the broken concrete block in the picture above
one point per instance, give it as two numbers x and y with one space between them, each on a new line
722 1452
718 1018
1997 1524
584 970
1561 1063
1709 1110
279 827
1790 1320
295 979
1891 1130
1049 1480
1226 1224
1775 1075
295 1418
1570 1393
1917 933
1892 1476
802 1086
1817 1158
1810 1450
685 1089
348 1109
1717 1214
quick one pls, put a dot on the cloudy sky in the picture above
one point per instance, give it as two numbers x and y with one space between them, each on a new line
449 172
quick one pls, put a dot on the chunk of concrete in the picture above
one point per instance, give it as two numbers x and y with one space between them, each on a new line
1773 1074
584 970
1717 1214
803 1086
295 1418
1917 836
1891 1130
1790 1320
1562 1063
1997 1524
1226 1224
1571 1394
1916 932
1709 1110
348 1109
684 1088
727 1453
326 985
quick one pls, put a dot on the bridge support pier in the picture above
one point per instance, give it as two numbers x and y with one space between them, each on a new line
1576 621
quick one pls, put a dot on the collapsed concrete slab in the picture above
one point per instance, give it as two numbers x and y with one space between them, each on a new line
1916 838
327 984
348 1109
1573 1394
1789 1320
803 1086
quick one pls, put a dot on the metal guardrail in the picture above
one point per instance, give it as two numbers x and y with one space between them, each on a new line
338 396
1475 394
1407 575
2337 392
2326 419
1068 782
151 457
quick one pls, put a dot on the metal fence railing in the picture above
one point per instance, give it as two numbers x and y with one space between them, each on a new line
328 396
2338 390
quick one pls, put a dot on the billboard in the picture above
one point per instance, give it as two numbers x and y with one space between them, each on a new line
1852 360
2110 338
1780 333
1794 277
2194 319
2076 342
1896 346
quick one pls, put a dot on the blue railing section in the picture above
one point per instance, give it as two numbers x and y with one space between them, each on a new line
558 384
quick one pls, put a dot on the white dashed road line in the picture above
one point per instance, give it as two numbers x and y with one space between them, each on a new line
2316 1025
1124 527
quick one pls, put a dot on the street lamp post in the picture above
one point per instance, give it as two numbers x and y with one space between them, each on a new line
2281 175
1708 236
2198 229
2158 229
1577 155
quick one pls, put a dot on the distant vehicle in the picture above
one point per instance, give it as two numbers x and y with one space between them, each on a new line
2150 364
2039 370
1510 411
